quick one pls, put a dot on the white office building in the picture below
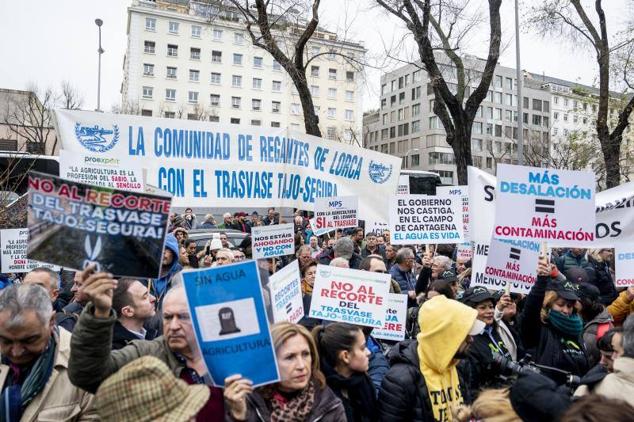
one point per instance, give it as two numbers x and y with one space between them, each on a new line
190 60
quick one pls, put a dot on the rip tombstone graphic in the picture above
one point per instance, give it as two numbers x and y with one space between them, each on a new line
227 322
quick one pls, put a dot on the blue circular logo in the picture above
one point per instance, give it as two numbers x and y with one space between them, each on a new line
96 138
378 172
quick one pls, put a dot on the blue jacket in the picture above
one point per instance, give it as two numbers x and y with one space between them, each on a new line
378 365
406 280
161 285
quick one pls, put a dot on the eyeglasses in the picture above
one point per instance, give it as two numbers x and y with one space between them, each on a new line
380 271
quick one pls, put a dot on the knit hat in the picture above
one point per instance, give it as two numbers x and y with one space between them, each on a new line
536 397
146 390
215 243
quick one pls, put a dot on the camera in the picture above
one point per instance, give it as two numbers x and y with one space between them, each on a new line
527 366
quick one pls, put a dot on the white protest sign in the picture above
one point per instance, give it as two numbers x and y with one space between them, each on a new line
403 185
482 199
422 219
107 172
624 266
376 227
544 204
463 193
335 213
464 251
395 318
615 216
514 262
204 163
353 296
286 294
14 244
271 241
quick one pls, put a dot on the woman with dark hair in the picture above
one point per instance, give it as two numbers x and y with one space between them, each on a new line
302 393
552 326
344 362
308 271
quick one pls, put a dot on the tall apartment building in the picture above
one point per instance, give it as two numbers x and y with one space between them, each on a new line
188 59
407 127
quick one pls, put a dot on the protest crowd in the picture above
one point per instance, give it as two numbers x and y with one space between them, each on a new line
89 346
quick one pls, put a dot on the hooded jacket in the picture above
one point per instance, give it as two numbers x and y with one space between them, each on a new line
423 382
591 332
601 277
161 285
551 348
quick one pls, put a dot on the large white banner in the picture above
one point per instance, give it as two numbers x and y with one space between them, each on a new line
207 164
544 204
482 201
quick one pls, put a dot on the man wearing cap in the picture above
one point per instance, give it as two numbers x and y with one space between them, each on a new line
495 341
423 383
239 223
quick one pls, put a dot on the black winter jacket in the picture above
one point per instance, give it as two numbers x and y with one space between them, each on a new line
404 395
549 346
601 277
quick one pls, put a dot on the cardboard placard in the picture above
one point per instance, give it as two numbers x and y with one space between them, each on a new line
230 322
106 172
272 241
624 266
353 296
395 318
14 244
286 294
73 225
335 213
544 204
422 219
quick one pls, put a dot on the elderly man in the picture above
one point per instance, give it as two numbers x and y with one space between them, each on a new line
224 256
227 221
33 373
344 248
91 360
402 273
304 255
46 278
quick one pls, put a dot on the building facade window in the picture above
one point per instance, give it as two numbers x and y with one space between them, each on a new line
277 86
216 34
192 97
236 81
257 83
236 102
257 61
150 24
173 27
194 75
170 94
276 106
148 69
194 53
237 59
196 30
214 100
148 92
171 72
149 47
216 56
256 104
215 78
172 50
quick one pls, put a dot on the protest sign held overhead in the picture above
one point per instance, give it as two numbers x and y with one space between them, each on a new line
395 318
463 193
624 266
204 163
335 213
14 244
272 241
544 204
509 262
230 322
422 219
615 216
353 296
73 225
481 198
286 294
464 251
376 227
106 172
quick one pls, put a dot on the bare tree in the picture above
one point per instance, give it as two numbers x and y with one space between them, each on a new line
70 99
30 117
446 35
128 107
265 16
578 23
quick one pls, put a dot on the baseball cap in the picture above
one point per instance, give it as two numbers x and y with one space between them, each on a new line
589 292
577 274
448 275
475 295
565 289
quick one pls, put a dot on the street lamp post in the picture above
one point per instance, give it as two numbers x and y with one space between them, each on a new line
407 154
520 81
99 22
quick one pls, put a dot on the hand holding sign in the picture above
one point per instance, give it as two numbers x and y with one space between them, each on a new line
235 392
98 288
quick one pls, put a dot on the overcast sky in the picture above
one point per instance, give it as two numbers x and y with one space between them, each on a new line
47 42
